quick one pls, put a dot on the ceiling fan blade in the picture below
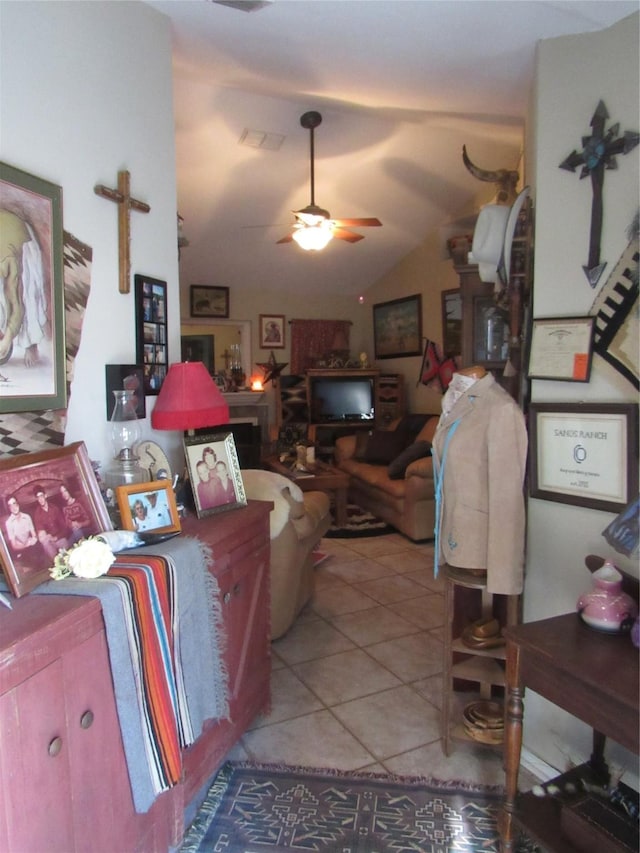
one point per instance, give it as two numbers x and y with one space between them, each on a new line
350 223
343 234
287 239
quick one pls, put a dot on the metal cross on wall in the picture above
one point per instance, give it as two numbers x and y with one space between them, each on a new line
598 153
122 197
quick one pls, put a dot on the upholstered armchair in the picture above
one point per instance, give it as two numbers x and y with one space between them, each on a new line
298 521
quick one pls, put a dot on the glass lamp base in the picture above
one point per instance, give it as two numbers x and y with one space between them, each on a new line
124 473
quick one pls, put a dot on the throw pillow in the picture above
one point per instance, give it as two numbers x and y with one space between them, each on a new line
412 424
416 450
362 439
384 446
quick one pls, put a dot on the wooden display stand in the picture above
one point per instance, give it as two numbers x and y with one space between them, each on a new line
482 667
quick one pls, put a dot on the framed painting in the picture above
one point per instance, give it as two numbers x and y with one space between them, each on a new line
271 332
198 348
127 377
48 500
32 350
397 327
214 472
148 508
151 331
208 301
584 453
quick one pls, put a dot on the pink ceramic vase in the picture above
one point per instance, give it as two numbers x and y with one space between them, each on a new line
607 607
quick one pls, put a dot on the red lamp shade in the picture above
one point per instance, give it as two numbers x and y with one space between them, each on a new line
189 399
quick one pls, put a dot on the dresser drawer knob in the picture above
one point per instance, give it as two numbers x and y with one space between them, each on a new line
55 747
86 720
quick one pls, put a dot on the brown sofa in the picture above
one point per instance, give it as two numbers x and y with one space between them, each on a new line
391 474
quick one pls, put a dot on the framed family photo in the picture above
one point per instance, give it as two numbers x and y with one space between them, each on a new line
148 507
272 328
214 472
397 327
33 355
48 501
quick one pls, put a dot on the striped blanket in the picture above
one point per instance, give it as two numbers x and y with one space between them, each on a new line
163 626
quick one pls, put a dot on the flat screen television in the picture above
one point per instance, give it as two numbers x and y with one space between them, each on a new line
341 399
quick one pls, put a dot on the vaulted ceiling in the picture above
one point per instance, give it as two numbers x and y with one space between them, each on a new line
401 86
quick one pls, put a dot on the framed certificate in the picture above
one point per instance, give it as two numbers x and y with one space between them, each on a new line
584 454
561 348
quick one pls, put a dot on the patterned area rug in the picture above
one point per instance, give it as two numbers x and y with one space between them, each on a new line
271 809
359 523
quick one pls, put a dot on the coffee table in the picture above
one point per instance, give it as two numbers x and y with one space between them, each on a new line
320 477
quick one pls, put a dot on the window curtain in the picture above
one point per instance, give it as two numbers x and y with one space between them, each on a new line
313 340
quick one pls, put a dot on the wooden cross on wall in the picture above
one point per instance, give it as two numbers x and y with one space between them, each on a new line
122 197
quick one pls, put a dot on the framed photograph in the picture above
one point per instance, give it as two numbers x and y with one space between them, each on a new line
151 331
451 322
272 328
127 377
198 348
48 500
214 471
148 507
209 301
397 327
584 454
561 348
32 356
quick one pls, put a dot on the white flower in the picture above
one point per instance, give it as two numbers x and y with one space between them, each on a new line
90 558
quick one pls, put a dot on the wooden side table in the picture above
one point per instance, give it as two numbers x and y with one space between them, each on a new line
590 674
325 478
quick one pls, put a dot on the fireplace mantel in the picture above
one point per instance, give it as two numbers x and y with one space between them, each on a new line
249 406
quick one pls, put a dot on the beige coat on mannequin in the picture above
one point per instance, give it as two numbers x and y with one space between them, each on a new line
482 517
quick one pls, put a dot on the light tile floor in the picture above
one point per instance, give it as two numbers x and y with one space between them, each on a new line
357 681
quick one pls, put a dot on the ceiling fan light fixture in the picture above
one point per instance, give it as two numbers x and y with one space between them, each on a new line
313 237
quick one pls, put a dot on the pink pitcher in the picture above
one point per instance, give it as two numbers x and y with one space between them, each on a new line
607 607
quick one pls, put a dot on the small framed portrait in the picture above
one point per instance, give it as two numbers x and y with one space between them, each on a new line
214 471
127 377
272 328
48 501
208 301
148 507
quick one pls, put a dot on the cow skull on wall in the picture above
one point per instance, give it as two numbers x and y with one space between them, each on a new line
505 180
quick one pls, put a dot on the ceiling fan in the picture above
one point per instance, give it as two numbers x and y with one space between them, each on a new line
314 227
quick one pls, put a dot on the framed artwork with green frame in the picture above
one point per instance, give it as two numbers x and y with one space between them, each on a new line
32 347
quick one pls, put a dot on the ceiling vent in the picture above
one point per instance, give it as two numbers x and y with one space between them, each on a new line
261 139
243 5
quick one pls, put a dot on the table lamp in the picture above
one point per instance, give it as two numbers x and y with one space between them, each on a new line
189 399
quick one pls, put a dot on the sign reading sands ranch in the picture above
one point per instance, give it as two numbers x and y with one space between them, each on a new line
583 454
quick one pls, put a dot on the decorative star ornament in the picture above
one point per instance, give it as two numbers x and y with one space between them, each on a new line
272 368
598 153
